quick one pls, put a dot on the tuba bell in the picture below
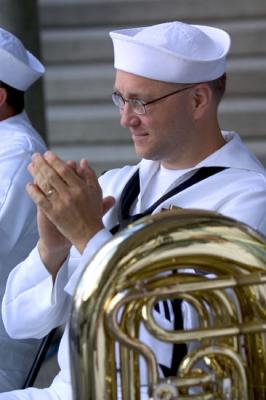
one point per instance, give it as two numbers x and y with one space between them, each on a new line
217 267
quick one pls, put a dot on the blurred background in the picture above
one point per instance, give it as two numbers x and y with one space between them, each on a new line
71 36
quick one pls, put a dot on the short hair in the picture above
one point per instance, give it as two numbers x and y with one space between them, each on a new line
218 87
15 97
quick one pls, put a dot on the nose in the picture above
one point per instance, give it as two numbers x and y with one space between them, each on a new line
128 117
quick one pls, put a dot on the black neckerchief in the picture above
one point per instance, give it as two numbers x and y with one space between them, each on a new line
131 192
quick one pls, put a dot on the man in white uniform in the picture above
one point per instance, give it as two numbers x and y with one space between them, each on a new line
169 82
18 228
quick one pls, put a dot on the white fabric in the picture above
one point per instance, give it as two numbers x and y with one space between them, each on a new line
188 53
19 68
238 192
18 232
158 184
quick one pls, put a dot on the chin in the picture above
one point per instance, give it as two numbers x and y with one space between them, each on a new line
147 155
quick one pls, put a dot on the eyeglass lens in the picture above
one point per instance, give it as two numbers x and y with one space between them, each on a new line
135 104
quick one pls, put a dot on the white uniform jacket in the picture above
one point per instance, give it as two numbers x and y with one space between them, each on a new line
18 232
238 192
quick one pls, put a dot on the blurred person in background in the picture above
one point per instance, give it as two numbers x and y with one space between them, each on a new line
19 69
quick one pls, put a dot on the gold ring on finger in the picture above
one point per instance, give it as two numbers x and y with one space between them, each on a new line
50 193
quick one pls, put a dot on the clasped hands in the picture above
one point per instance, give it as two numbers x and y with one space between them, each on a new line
69 202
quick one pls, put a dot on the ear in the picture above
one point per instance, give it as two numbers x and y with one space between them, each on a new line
3 96
202 99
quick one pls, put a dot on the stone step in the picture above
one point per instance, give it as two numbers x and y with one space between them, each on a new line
245 115
74 45
246 77
79 83
258 147
100 124
85 123
94 83
101 158
81 45
106 157
114 12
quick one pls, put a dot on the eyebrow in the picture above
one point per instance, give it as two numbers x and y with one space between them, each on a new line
132 95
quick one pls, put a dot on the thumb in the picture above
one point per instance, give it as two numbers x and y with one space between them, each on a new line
108 203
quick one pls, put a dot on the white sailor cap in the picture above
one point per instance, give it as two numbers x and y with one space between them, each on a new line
18 67
172 52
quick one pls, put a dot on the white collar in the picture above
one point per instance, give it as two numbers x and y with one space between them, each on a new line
233 154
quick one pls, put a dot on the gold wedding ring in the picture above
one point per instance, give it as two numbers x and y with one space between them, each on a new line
50 193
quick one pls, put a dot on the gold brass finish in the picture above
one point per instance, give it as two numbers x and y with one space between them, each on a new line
220 267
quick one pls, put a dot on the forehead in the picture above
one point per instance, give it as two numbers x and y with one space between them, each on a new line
128 83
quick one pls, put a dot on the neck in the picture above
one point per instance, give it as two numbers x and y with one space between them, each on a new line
6 112
204 144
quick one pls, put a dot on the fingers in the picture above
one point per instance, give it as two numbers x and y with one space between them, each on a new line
37 195
66 172
52 174
72 164
86 172
108 203
54 178
44 175
83 170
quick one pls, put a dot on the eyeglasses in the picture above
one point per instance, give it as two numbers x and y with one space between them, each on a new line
139 106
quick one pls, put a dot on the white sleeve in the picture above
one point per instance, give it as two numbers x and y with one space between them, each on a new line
92 247
17 211
32 305
249 207
42 304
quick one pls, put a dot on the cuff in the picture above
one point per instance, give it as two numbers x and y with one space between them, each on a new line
92 247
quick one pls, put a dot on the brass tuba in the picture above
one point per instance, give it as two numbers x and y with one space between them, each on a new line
217 266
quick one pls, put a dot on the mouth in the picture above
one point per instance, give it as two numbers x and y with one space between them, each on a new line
139 138
138 135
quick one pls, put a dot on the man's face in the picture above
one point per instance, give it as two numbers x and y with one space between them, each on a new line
164 133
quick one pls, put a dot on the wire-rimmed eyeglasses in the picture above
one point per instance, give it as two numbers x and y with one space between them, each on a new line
138 106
